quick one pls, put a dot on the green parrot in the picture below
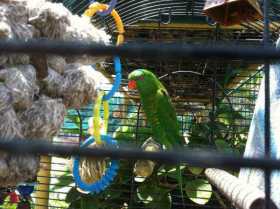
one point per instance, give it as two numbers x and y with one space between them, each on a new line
160 113
158 108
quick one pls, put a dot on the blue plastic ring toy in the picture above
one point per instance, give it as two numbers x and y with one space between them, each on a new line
106 179
117 83
112 6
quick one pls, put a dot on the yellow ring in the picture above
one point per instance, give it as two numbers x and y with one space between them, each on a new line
106 115
96 118
91 11
95 7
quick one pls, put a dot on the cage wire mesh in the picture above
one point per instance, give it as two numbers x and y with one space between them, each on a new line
214 103
226 130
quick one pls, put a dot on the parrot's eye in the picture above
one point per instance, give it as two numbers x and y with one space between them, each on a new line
140 78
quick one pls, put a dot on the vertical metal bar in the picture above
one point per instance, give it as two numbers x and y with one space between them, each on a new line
267 174
214 89
213 109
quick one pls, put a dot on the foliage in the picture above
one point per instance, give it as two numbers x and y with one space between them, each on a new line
199 191
8 204
220 132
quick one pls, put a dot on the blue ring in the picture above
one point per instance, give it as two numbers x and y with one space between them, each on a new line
112 6
117 83
106 179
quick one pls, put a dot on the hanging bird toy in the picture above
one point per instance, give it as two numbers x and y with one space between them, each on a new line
99 177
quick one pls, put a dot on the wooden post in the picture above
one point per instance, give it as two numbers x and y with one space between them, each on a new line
241 195
43 179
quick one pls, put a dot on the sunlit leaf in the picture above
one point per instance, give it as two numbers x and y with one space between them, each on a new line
72 195
195 170
63 181
153 196
199 191
172 173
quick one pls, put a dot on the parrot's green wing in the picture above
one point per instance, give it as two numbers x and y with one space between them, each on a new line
167 118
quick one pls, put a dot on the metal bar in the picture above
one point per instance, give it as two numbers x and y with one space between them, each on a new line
267 172
158 51
192 157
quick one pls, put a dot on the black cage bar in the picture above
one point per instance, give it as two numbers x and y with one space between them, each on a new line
162 51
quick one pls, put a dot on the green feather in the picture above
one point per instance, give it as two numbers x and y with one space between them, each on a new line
158 108
160 112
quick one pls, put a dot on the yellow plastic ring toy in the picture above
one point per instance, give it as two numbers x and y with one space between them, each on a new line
95 7
96 117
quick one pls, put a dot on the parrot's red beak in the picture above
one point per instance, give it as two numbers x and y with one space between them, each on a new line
132 84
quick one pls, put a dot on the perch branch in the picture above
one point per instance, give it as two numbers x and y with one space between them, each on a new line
241 195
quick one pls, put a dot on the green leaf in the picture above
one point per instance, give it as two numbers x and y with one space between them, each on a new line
223 146
75 204
223 118
199 191
173 172
72 195
195 170
124 133
90 203
163 202
9 205
154 196
63 181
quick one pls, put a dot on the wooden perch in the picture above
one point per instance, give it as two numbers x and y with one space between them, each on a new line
241 195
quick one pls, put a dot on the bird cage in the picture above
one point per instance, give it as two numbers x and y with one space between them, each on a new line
214 102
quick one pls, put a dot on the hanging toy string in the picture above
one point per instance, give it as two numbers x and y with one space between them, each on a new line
111 171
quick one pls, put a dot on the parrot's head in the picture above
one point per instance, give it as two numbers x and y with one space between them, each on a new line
142 80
